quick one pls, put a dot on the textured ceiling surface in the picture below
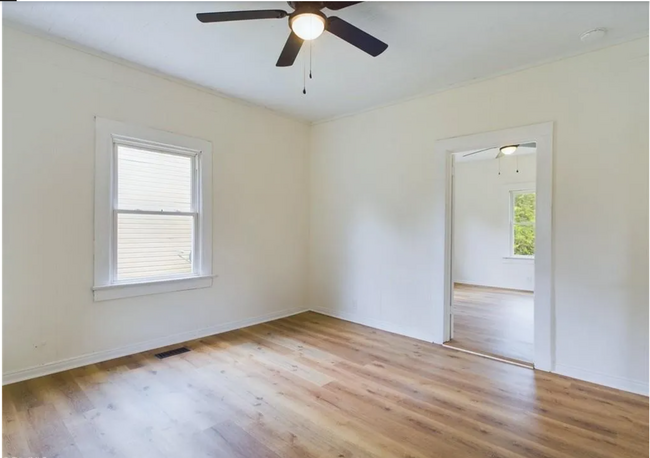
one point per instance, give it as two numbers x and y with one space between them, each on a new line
432 46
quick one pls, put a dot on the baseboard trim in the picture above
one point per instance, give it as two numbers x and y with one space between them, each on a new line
93 358
619 383
377 324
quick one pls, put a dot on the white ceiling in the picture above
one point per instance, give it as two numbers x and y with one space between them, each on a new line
432 46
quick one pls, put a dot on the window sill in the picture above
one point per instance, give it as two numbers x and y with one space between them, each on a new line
120 291
519 258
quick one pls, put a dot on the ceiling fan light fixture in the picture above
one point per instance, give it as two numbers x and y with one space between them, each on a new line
307 26
508 149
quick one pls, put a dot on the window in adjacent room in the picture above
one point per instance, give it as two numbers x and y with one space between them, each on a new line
153 218
522 223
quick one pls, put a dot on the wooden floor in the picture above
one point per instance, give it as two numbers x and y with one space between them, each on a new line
494 322
312 386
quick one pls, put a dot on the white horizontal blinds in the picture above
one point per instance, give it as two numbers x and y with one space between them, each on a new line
149 180
153 245
155 216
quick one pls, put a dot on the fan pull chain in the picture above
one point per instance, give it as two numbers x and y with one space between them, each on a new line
517 157
499 166
304 78
310 42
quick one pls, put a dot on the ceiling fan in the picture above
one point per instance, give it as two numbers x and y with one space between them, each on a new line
504 150
307 22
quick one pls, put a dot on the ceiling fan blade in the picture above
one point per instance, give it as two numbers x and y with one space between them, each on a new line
476 152
528 145
355 36
290 51
334 6
500 154
226 16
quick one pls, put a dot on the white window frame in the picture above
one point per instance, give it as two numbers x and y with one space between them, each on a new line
108 136
513 194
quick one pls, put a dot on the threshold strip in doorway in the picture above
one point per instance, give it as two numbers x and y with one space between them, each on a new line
514 362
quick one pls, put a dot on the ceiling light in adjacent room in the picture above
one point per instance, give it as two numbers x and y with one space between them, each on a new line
308 25
508 149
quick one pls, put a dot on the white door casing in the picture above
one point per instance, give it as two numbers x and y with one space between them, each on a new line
542 135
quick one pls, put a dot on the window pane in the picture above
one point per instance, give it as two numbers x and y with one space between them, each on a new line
524 210
148 180
153 246
524 240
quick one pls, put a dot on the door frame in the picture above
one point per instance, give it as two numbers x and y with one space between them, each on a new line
542 134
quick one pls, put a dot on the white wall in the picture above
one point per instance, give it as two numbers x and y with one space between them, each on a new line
373 221
51 95
370 242
481 229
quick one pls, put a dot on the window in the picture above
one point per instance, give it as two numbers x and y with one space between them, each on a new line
522 223
155 213
152 211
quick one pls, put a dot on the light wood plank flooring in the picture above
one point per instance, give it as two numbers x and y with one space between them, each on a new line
494 322
313 386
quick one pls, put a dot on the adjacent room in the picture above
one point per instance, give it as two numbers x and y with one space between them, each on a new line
325 229
493 246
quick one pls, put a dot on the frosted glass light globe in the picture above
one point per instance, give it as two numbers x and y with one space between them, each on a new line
308 25
507 150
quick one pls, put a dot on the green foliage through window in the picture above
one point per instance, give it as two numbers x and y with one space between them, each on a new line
524 224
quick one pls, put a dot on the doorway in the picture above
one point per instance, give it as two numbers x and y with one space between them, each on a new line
541 302
493 252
